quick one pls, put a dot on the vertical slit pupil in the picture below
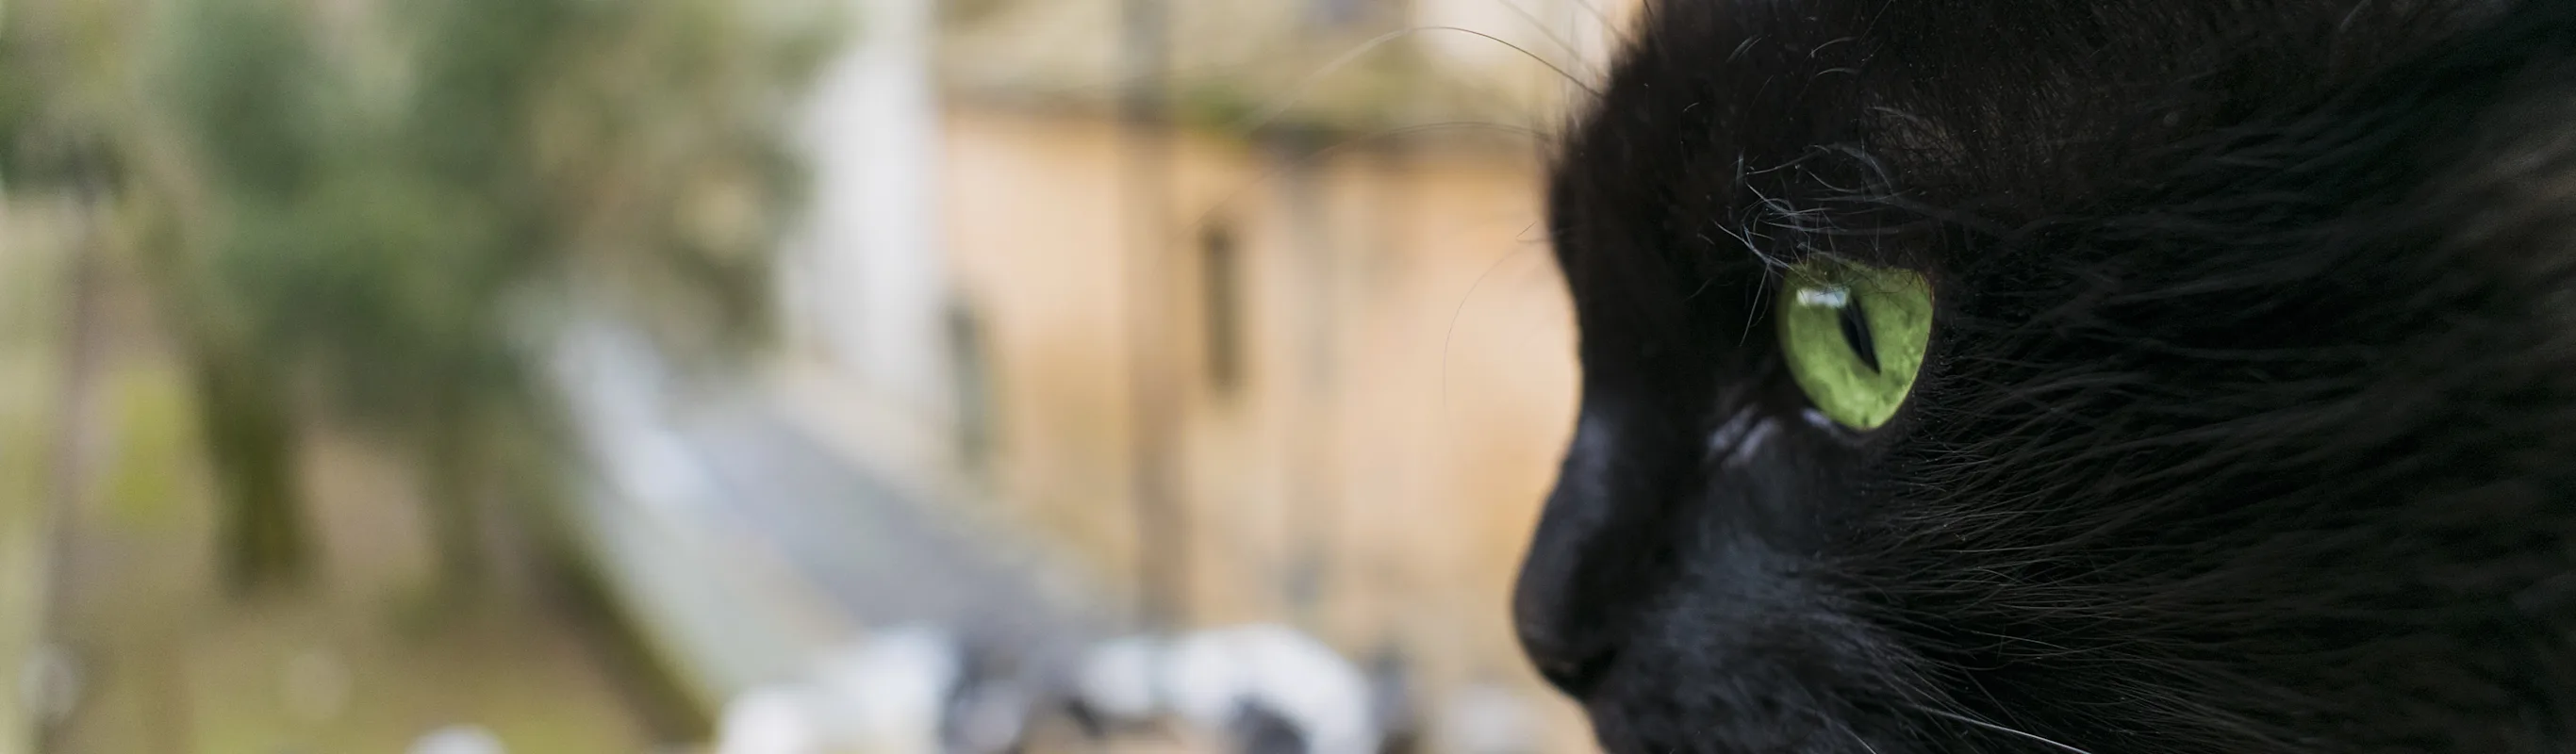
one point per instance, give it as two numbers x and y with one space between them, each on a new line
1855 326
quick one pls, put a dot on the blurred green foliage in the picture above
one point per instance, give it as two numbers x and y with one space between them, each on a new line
373 211
146 472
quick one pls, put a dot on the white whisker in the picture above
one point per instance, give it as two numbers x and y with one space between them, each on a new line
1298 92
2001 729
1550 32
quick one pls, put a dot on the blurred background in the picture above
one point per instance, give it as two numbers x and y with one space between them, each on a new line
778 376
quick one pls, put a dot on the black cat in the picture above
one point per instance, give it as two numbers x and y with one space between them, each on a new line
2099 376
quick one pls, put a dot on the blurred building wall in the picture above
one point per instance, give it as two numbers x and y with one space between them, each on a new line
1373 362
1368 354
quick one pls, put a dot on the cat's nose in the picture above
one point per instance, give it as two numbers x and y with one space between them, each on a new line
1558 643
1592 557
1562 608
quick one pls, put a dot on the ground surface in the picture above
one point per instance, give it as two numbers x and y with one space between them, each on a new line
365 660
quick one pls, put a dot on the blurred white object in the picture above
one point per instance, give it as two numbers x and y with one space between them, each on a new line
887 694
458 739
1226 679
776 720
1117 678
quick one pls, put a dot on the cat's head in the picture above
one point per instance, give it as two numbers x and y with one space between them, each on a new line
2113 376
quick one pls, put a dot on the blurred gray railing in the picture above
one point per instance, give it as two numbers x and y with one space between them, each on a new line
743 550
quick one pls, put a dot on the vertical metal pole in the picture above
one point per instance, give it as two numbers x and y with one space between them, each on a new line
1162 541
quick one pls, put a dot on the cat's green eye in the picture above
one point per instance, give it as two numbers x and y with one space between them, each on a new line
1854 336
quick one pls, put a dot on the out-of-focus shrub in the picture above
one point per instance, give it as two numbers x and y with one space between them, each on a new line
371 211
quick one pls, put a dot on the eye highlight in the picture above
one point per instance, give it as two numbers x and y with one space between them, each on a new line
1853 336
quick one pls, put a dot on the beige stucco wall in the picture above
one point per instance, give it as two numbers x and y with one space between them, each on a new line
1408 374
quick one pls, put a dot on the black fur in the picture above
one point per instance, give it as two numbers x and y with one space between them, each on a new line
2249 423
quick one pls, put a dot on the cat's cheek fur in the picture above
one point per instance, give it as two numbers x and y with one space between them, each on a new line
2248 423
